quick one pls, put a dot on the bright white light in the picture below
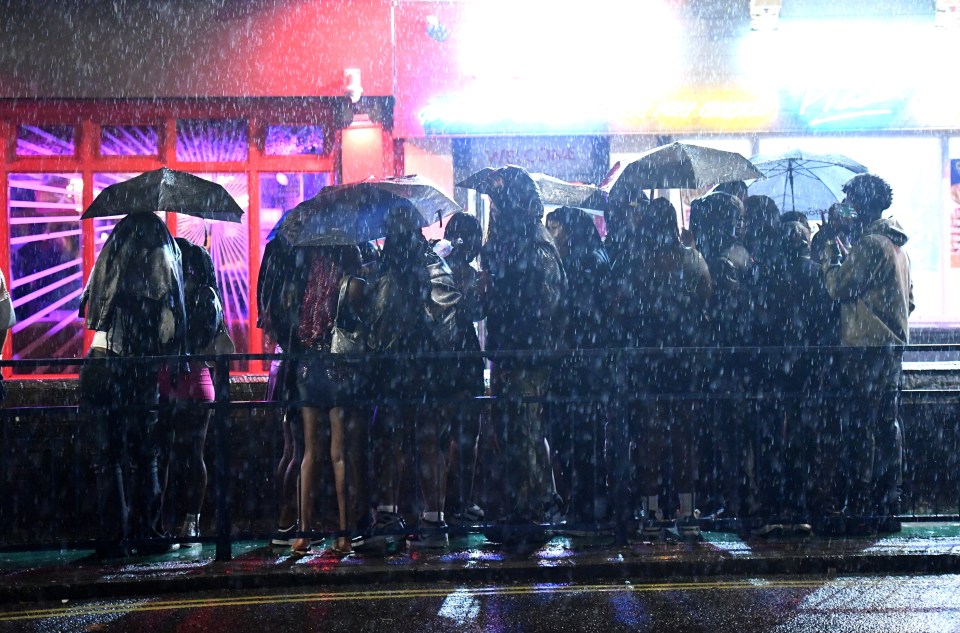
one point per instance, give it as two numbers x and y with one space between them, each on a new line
572 47
869 55
282 179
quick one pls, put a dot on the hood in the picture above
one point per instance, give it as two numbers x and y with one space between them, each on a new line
888 227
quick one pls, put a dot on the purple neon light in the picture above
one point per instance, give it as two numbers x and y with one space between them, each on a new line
45 140
129 140
46 267
294 140
211 141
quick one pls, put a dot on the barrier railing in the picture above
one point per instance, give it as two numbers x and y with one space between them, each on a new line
721 376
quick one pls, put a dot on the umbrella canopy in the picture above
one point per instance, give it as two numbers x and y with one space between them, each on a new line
553 191
804 181
683 166
356 212
166 190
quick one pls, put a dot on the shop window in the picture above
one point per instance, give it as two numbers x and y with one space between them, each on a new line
229 247
211 140
129 140
281 191
45 268
294 140
45 140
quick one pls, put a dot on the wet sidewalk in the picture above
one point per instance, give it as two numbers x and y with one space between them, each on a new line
73 574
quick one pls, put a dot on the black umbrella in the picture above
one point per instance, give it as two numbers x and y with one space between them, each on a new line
682 166
356 212
553 191
166 190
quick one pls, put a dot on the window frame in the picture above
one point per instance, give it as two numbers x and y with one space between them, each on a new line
89 116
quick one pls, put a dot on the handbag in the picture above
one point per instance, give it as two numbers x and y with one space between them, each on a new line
343 340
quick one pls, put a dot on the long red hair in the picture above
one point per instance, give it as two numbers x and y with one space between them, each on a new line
319 307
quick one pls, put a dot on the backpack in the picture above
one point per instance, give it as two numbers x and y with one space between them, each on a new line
201 298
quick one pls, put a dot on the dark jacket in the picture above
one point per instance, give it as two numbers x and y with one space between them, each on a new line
728 309
527 283
583 303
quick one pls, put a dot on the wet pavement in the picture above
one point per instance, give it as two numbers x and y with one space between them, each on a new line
921 548
914 603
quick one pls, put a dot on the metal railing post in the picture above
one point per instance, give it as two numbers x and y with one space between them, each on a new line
221 446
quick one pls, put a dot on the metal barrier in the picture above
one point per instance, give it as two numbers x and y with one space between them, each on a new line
722 375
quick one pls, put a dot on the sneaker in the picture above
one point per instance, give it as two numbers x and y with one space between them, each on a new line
284 537
386 533
190 530
553 511
470 516
431 535
653 525
689 526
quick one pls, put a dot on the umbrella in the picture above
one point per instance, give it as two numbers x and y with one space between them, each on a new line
803 181
683 166
166 190
553 191
355 212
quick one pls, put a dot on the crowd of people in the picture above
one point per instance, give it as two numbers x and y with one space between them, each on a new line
669 436
655 376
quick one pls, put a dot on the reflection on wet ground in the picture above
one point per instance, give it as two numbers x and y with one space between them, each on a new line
919 548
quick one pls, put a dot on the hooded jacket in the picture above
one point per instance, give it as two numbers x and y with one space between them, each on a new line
873 287
140 262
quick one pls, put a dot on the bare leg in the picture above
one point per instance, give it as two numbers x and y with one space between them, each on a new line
308 468
337 416
287 473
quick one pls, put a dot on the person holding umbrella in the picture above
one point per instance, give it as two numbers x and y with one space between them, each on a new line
526 283
873 285
134 303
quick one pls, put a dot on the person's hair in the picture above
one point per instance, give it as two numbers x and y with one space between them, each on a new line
403 251
761 226
580 228
713 221
795 239
795 216
870 193
464 233
660 224
736 188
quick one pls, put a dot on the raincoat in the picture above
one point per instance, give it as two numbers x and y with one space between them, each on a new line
527 282
873 287
140 261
